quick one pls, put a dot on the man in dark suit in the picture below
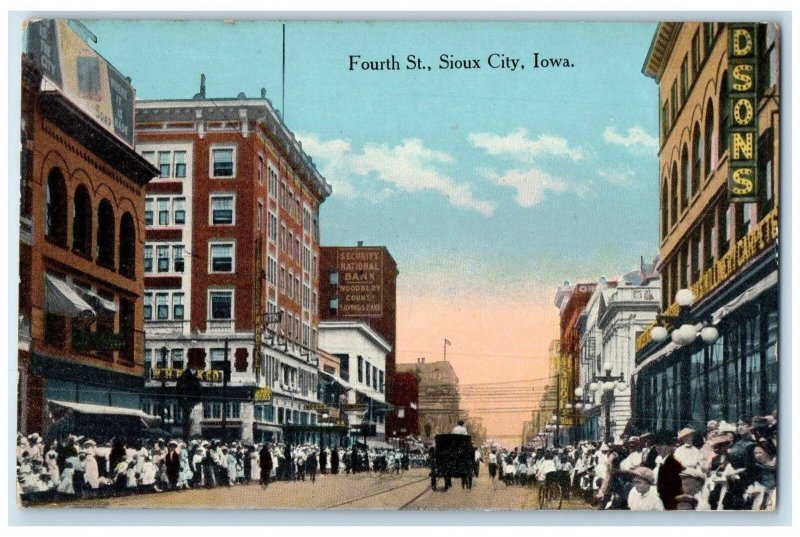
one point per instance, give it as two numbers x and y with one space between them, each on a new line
265 464
667 470
173 464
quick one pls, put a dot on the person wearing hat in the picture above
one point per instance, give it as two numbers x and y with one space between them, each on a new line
687 454
172 461
667 470
635 457
644 496
693 484
91 470
686 503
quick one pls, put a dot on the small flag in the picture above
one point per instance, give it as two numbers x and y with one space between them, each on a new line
413 405
447 342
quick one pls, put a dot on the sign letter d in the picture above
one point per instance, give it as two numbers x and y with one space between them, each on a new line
742 42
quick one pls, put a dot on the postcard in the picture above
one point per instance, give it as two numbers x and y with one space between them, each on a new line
397 265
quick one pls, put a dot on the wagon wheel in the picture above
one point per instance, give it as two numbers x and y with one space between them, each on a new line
551 496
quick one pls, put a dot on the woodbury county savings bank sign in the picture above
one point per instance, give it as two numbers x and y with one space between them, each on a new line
360 282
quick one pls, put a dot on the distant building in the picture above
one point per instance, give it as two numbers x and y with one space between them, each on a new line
405 407
362 357
359 283
82 210
439 400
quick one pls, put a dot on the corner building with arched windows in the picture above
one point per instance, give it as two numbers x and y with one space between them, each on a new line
722 249
81 334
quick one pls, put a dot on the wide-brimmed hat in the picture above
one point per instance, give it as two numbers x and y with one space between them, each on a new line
603 447
720 439
725 427
686 431
712 424
645 473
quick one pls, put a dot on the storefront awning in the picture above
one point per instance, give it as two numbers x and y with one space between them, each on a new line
377 444
99 303
61 299
100 410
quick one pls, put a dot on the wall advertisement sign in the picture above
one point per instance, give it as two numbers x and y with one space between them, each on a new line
360 282
743 112
73 68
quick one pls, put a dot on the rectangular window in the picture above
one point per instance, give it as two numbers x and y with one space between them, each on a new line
163 258
334 277
148 259
177 253
381 386
260 169
273 183
221 257
163 163
297 288
148 306
708 237
283 279
150 156
162 308
291 286
221 305
673 102
179 210
180 164
177 359
696 52
177 306
222 210
360 369
273 227
283 238
684 80
222 162
232 410
163 211
708 36
148 211
260 216
218 359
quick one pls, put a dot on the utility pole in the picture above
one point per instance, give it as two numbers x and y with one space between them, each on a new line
225 370
556 441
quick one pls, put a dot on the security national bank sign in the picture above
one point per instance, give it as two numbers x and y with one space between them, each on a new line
743 105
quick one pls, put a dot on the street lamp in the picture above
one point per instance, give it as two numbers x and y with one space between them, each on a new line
606 384
164 351
685 331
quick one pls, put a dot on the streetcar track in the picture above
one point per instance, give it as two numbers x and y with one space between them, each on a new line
353 500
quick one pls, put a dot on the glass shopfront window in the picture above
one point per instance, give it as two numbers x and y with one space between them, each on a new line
697 388
716 380
733 410
771 361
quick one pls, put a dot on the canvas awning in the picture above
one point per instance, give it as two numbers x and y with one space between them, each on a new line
61 299
99 303
100 410
378 444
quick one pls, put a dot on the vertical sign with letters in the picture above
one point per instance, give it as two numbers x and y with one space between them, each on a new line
743 116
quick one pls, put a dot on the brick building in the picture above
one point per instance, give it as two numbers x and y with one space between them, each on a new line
359 283
231 265
81 335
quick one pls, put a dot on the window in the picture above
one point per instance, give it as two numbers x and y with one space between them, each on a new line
232 410
148 211
127 246
283 238
766 186
697 158
664 122
684 80
163 258
212 410
334 277
150 156
291 285
696 53
180 164
164 167
163 211
260 216
306 259
708 36
697 252
314 267
105 235
369 371
360 369
148 306
222 210
162 308
673 102
273 227
272 271
177 359
221 305
177 306
724 115
179 208
177 254
260 169
381 386
218 359
724 227
148 259
708 234
306 297
297 289
686 180
673 205
82 222
664 209
282 279
708 132
222 162
273 182
221 257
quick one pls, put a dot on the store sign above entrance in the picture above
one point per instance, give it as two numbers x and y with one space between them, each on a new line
743 107
263 394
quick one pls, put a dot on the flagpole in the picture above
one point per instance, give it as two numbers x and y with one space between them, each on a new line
445 350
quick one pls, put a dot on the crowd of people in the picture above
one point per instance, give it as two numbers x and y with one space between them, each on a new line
725 467
78 466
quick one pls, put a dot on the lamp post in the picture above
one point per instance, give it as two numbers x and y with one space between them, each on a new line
164 352
684 325
608 383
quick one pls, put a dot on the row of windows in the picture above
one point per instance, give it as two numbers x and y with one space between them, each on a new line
84 226
165 263
169 211
170 164
169 305
370 375
722 226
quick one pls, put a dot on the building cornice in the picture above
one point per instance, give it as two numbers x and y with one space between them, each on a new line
660 48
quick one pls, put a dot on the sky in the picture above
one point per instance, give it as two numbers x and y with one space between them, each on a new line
490 186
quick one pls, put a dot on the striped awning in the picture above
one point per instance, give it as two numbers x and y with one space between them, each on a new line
61 299
99 303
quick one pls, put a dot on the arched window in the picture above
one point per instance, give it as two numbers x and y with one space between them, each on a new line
127 246
697 158
105 235
686 180
55 199
82 222
664 208
673 195
724 115
709 135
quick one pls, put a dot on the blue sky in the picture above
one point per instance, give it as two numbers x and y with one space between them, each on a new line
506 179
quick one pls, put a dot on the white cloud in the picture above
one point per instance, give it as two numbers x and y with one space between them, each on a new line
519 146
619 175
531 185
408 167
636 138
